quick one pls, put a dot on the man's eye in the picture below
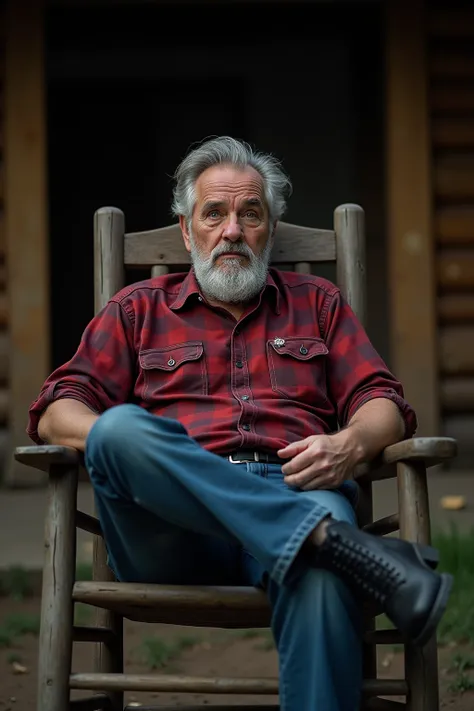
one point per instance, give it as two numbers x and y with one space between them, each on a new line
213 214
251 214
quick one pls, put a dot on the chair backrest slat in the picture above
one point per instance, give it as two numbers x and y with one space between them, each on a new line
292 244
299 246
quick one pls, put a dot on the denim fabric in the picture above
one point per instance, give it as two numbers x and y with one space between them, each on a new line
175 513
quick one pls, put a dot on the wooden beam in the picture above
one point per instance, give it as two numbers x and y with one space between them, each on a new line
26 230
409 192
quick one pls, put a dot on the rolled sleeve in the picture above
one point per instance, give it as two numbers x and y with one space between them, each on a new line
99 374
356 372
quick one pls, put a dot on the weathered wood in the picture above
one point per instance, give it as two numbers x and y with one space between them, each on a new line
44 456
93 703
159 270
421 666
4 355
457 394
88 523
453 177
26 218
292 243
3 314
109 278
55 639
429 450
349 226
454 225
93 634
225 607
452 132
109 275
376 704
456 308
446 98
303 267
211 685
461 426
409 217
382 526
456 351
390 636
108 656
455 269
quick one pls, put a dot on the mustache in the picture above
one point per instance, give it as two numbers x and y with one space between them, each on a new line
238 248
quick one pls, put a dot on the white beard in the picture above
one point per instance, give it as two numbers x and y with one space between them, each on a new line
229 281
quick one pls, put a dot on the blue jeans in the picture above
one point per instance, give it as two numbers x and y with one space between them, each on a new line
173 513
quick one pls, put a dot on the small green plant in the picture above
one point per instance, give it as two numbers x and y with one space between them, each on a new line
16 583
461 684
158 654
250 633
16 625
457 558
14 658
462 663
266 643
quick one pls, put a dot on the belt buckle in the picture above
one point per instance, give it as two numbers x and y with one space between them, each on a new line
256 458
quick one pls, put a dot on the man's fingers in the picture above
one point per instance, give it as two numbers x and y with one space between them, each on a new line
301 461
292 449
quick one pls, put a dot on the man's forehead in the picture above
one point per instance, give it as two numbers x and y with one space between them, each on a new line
223 180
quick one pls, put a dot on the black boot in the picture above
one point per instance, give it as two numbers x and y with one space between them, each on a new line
390 572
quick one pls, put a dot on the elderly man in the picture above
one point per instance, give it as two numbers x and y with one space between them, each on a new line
222 413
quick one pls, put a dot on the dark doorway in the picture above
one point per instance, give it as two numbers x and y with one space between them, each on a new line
127 96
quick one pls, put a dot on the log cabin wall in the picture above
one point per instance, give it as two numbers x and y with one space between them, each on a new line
451 104
3 299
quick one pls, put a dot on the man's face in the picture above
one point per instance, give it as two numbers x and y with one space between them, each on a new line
230 233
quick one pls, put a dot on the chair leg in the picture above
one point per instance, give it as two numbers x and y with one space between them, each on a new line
421 665
108 657
55 639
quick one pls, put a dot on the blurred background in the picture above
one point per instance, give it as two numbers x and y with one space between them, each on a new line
368 102
363 101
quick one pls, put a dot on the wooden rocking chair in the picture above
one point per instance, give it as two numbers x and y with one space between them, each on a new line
238 607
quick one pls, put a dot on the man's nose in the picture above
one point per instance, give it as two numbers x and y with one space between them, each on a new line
232 230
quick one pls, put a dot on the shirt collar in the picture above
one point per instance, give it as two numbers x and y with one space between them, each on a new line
190 287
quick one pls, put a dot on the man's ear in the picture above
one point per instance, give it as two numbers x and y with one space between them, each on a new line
185 232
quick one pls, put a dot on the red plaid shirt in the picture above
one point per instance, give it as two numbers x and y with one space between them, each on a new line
297 363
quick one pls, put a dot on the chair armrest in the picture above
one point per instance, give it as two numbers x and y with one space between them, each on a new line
46 455
427 450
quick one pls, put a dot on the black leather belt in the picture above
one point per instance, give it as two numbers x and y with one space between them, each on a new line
246 455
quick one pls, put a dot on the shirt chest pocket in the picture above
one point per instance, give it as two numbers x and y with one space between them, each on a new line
173 371
297 368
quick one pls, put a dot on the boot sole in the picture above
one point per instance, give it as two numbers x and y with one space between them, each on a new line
437 610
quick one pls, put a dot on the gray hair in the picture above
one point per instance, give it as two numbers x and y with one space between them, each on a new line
229 151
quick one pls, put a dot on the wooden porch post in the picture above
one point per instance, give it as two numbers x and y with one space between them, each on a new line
25 217
409 207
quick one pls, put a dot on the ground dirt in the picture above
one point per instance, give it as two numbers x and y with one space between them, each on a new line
206 652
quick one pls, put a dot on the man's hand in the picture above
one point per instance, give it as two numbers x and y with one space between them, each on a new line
320 461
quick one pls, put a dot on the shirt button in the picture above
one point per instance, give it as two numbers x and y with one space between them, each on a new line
303 350
246 428
171 361
239 364
245 397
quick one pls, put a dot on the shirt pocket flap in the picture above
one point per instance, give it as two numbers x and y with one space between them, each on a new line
171 357
299 347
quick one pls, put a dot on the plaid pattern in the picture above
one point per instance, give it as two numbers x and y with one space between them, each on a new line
297 363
